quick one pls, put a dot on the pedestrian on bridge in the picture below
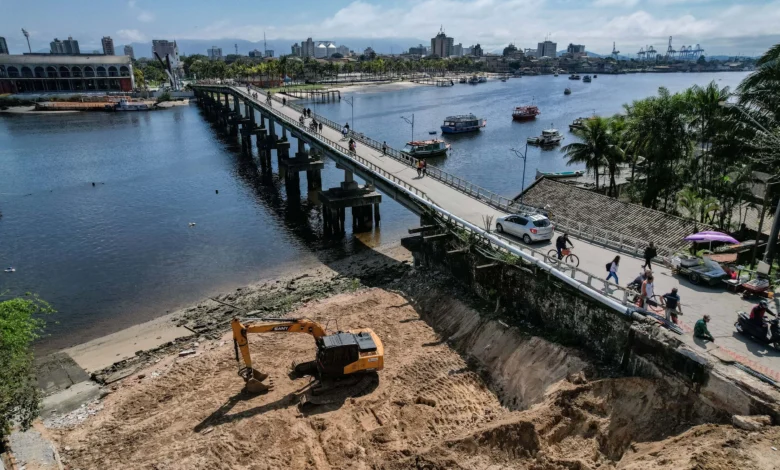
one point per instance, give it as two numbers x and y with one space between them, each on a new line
320 127
284 101
384 147
613 268
648 292
419 168
650 253
425 167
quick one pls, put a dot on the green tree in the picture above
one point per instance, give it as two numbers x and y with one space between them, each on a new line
138 75
20 325
596 144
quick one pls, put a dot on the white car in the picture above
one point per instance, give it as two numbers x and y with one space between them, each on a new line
529 227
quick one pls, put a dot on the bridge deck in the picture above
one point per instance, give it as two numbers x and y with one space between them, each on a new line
696 300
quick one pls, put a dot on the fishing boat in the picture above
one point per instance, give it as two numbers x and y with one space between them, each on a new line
426 148
578 123
126 105
462 123
525 113
462 80
482 79
560 174
473 80
549 138
574 76
586 79
567 91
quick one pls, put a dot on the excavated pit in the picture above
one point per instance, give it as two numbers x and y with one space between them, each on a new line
457 391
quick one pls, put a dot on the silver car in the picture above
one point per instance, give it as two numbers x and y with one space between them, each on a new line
529 227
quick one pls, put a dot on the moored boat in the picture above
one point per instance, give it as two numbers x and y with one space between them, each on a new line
574 76
127 105
473 80
525 113
426 148
462 80
482 79
586 79
578 123
560 174
549 138
567 91
462 123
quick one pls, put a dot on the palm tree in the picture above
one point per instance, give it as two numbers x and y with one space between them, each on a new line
595 145
761 89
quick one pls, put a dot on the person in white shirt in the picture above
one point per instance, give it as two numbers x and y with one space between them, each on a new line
613 269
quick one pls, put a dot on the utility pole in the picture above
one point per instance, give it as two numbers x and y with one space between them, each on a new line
410 122
523 156
27 35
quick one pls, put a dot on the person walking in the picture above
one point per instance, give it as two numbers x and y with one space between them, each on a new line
650 253
613 268
425 167
672 308
320 127
384 148
419 168
648 292
700 329
284 101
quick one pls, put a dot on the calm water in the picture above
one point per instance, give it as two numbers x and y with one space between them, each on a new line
121 252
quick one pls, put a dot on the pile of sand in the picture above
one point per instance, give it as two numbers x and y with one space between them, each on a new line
429 410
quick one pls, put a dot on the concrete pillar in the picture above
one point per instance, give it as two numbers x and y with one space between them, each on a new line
377 217
283 152
272 132
314 179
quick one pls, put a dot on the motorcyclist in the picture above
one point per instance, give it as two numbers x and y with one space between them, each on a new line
352 145
560 244
757 315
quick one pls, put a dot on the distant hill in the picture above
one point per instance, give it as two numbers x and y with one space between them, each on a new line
279 46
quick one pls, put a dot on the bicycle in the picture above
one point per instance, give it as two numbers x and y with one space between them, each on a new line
568 257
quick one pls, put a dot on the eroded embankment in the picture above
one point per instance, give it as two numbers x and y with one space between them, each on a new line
508 400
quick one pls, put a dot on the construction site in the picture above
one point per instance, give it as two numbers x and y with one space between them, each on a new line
460 387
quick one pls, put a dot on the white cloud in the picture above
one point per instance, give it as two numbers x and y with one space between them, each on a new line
145 16
130 35
616 3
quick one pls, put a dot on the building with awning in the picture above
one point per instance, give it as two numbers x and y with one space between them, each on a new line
35 73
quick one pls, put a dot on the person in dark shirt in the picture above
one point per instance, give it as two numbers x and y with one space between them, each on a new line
757 315
672 305
650 253
560 244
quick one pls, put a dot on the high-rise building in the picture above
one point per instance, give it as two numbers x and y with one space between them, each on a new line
269 53
3 46
369 51
575 48
441 45
296 50
343 50
255 53
457 50
307 48
68 46
419 50
163 47
476 51
108 45
214 53
547 49
129 52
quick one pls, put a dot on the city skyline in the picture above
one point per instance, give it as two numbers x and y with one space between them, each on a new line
721 27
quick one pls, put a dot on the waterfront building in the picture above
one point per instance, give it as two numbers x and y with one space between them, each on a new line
576 51
420 50
296 50
129 52
68 46
108 45
215 53
324 49
441 45
26 73
546 49
457 50
3 46
476 51
307 48
343 50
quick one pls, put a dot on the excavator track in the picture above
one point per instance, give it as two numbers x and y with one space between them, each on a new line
330 391
303 369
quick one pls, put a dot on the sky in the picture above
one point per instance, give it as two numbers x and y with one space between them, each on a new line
722 27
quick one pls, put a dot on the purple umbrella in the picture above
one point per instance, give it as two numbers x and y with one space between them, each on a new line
710 236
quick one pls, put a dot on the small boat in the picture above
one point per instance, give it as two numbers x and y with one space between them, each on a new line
426 148
482 79
462 80
560 174
549 138
10 269
578 123
586 79
503 79
574 76
525 113
126 105
555 74
462 123
473 80
567 91
595 76
432 132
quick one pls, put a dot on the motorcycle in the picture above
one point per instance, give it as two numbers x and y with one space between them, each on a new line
747 327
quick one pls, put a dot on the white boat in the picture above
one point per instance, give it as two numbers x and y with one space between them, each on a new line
482 79
548 138
125 105
426 148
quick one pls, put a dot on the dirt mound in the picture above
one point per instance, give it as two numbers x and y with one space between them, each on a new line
431 408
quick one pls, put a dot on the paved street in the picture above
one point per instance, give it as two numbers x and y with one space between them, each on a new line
696 300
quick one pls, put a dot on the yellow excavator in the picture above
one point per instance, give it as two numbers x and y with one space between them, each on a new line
344 360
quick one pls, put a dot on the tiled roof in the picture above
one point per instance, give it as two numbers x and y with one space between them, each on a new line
607 213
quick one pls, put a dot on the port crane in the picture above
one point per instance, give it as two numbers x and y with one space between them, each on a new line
615 52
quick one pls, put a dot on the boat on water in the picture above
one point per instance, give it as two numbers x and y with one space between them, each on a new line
473 80
578 123
462 80
503 79
525 113
432 132
555 74
127 105
482 79
462 123
567 91
595 76
586 79
574 76
549 138
560 174
426 148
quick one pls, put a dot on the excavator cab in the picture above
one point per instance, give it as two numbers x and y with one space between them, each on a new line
339 354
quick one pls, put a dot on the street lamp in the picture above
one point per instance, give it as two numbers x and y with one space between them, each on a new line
524 156
27 35
410 122
770 251
351 101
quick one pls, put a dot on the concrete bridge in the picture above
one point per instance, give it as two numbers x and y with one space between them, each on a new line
249 113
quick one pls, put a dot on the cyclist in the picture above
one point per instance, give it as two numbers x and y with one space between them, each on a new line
560 244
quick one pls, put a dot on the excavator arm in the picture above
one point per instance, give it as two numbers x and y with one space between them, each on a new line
270 325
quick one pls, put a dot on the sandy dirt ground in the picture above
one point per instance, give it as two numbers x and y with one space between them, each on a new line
429 410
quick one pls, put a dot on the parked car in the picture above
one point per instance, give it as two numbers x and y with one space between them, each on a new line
529 227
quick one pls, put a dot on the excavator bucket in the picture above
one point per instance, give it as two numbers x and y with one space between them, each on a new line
255 383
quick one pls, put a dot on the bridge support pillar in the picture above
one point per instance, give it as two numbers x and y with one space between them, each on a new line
272 132
363 200
282 151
